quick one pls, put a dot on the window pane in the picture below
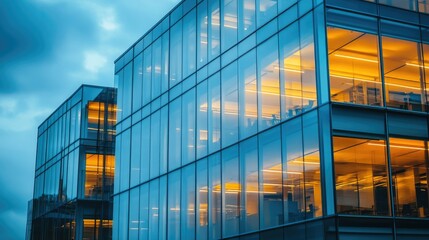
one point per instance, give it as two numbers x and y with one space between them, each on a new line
154 144
135 154
214 29
202 107
123 216
229 105
214 112
354 67
407 4
137 82
409 173
188 203
163 140
229 24
145 150
308 76
134 215
313 194
125 162
231 191
147 75
214 197
163 207
270 164
174 146
293 171
361 177
269 85
176 54
144 212
246 18
250 187
164 61
127 90
202 200
267 9
188 126
202 31
402 68
153 209
156 68
189 46
174 205
248 95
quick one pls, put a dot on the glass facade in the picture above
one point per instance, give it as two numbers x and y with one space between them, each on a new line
261 119
75 165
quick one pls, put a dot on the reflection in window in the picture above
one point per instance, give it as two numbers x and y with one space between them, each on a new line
174 130
246 18
188 203
229 105
173 214
188 126
133 224
293 171
269 87
214 197
266 9
137 82
189 47
156 68
214 113
354 67
405 4
214 29
201 200
271 193
144 211
402 69
250 186
361 177
409 176
202 113
248 95
175 54
135 154
153 209
229 24
297 68
231 189
202 34
147 76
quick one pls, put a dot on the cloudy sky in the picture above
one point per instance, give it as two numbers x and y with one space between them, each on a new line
48 48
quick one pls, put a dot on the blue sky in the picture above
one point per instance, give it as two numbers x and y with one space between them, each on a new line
48 48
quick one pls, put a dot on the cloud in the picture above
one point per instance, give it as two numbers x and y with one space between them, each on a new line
94 61
48 48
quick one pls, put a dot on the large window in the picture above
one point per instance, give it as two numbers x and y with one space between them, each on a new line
269 84
409 176
402 69
354 67
229 105
361 176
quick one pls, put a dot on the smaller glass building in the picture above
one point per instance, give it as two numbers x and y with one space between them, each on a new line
75 168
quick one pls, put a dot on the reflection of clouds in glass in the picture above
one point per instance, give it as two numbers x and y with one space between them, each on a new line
49 48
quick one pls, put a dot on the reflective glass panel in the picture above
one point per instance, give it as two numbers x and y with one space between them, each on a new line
270 179
231 189
248 109
402 69
409 176
229 105
269 84
354 67
361 176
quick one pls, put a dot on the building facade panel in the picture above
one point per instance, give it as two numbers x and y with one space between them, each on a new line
75 167
275 119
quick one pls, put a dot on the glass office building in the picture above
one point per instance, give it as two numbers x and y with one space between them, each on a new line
74 169
266 119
